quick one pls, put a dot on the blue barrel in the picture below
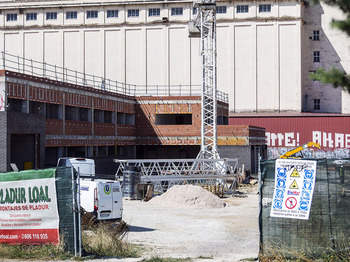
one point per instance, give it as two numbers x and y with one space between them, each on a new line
131 177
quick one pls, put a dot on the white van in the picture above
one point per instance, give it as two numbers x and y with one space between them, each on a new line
85 166
101 197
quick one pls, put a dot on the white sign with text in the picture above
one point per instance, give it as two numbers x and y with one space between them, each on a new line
294 187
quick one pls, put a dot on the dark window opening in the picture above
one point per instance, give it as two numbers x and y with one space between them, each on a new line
222 120
112 13
177 11
11 17
317 104
125 119
316 56
133 13
71 113
108 116
221 9
316 35
52 111
174 119
84 114
264 8
242 8
16 105
98 116
36 108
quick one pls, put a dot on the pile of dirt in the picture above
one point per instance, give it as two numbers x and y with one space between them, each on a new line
188 196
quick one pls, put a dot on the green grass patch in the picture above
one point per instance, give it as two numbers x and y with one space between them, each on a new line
203 257
249 259
42 252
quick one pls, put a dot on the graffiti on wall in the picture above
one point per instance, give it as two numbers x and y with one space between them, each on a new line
276 152
333 145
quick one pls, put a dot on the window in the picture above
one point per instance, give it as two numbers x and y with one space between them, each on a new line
154 12
221 9
317 104
91 14
11 17
71 15
194 10
31 16
316 56
112 13
177 11
264 8
51 16
242 8
316 35
173 119
133 13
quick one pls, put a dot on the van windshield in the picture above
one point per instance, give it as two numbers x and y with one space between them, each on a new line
63 162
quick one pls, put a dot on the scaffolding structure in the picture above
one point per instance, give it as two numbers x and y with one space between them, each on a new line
165 173
205 22
208 168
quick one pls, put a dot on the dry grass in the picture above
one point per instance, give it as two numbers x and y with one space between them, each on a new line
104 240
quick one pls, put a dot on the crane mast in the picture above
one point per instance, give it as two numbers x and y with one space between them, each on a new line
205 22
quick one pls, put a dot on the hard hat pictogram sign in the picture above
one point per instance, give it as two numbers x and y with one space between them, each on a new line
295 173
294 185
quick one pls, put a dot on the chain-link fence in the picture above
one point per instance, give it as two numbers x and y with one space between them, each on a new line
68 209
328 228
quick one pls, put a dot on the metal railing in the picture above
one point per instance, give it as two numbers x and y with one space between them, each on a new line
63 74
42 69
164 173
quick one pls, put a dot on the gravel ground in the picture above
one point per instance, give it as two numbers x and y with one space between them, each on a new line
222 234
226 234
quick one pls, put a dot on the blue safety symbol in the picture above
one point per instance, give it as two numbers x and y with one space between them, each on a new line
281 172
281 183
279 193
277 204
304 205
309 174
307 185
305 195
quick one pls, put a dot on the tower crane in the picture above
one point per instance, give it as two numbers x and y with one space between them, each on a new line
205 23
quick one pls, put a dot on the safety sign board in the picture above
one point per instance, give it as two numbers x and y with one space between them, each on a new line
294 187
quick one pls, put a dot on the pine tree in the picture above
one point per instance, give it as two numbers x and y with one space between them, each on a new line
334 76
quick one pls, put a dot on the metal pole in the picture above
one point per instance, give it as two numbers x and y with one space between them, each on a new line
3 59
73 209
79 214
18 64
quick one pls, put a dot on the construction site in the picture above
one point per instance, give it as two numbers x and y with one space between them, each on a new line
165 132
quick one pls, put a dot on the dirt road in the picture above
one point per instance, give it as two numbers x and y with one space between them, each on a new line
222 234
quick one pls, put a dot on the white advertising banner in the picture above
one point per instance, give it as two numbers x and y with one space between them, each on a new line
28 207
294 188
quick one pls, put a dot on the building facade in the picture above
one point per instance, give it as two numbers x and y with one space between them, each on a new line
265 50
44 119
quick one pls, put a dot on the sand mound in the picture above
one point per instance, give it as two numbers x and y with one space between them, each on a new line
188 196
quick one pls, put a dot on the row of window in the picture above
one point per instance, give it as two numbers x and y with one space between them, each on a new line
265 8
135 12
